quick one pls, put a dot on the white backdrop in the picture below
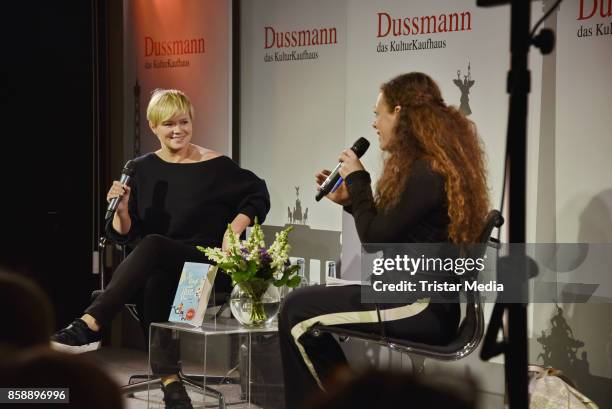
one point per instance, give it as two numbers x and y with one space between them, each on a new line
292 112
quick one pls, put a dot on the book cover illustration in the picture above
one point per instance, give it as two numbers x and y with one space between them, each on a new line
192 293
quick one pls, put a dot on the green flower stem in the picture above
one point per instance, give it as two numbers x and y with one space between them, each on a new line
256 289
258 314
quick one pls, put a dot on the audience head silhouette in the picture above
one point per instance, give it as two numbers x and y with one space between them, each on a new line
41 367
390 389
27 317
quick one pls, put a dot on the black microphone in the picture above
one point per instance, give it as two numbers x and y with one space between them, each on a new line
360 146
126 175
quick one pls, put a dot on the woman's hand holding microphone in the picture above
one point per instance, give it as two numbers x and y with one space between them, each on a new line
350 164
122 191
121 220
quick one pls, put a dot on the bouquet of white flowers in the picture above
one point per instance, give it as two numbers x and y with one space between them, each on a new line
254 267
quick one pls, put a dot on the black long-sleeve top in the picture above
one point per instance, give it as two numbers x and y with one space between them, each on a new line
420 216
191 202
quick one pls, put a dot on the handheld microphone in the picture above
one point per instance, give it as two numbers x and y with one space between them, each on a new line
360 146
126 175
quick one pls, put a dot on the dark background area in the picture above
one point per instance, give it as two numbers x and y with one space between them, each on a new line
54 113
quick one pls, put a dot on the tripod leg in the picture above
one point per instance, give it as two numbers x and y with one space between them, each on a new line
490 346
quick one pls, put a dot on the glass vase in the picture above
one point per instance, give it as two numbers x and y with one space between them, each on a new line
255 303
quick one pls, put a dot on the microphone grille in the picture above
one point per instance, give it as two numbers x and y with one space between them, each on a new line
360 146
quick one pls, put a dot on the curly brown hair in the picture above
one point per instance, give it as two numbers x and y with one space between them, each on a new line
429 129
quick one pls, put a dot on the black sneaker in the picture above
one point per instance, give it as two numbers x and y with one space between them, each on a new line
175 396
76 338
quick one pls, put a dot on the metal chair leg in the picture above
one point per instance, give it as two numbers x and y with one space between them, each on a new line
196 382
132 388
133 377
210 379
417 364
207 390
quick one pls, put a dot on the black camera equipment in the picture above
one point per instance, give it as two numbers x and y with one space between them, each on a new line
514 345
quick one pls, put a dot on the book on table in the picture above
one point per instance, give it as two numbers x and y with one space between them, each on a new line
193 293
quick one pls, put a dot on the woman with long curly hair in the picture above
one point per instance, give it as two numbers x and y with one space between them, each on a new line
432 190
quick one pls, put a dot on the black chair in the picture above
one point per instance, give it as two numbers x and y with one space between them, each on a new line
219 302
471 328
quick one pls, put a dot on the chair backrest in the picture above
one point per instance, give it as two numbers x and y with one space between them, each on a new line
477 250
493 220
471 328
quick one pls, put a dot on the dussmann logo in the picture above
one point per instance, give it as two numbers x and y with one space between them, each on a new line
442 23
278 39
401 26
299 38
172 48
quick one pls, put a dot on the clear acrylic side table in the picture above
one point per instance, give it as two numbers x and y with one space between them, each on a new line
214 359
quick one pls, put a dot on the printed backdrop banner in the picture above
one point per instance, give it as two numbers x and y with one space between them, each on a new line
293 116
311 73
583 67
579 137
293 73
184 45
464 48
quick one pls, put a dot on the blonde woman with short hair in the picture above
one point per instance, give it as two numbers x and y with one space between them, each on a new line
182 195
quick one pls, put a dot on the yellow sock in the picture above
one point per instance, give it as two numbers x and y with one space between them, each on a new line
168 380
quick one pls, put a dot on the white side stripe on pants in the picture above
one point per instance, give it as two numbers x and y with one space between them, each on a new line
352 317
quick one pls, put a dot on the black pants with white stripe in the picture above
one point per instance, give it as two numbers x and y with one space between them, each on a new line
308 360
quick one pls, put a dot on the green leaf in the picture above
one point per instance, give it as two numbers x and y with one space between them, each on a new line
252 266
226 266
281 282
291 269
294 281
240 276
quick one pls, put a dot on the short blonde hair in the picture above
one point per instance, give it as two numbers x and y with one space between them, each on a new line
166 103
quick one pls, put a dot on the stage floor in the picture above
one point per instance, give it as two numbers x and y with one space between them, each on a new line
121 363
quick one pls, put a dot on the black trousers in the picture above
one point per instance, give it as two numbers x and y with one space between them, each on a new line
308 360
149 277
